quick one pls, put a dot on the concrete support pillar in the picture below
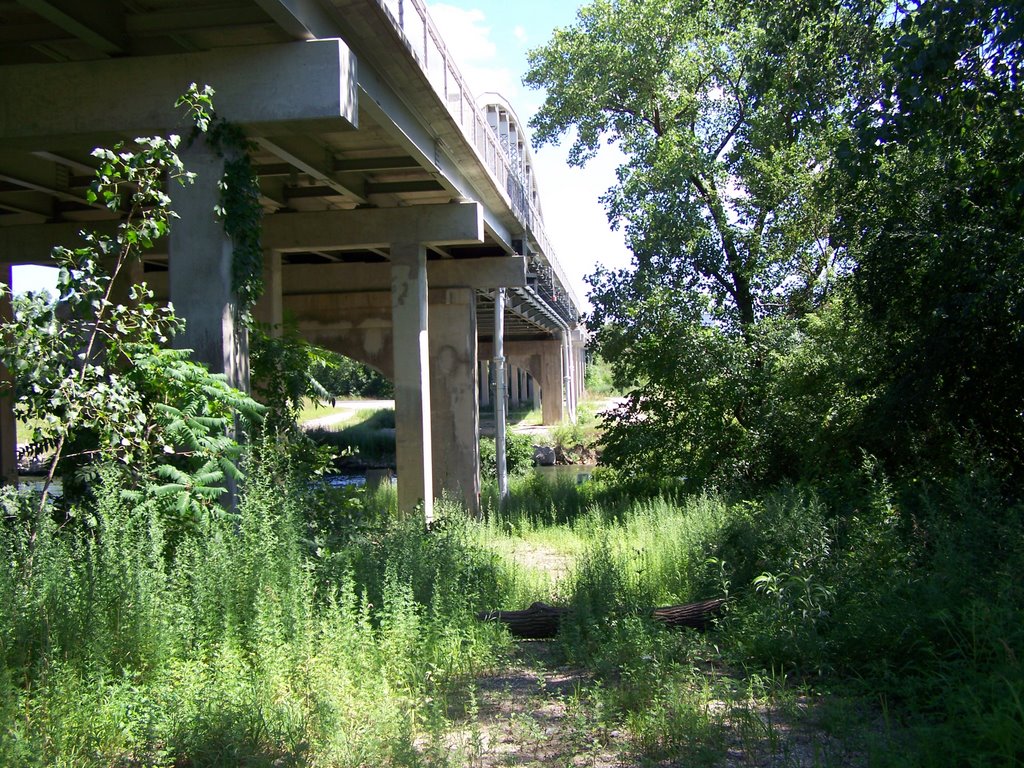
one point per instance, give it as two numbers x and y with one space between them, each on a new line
567 378
8 426
485 383
269 310
200 271
499 395
454 415
131 274
534 391
412 378
513 394
551 382
581 372
520 394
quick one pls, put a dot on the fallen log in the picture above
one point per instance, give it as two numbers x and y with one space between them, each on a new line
541 621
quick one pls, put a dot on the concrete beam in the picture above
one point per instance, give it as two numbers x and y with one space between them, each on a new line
311 279
451 224
74 22
392 112
313 81
300 18
305 159
33 243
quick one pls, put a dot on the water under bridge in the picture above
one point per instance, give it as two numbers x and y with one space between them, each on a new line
397 206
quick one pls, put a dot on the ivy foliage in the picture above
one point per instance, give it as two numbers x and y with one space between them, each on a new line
96 376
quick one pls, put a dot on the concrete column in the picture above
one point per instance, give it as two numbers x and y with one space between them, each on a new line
501 463
8 426
131 274
551 382
269 309
581 372
412 378
454 415
513 388
534 390
575 374
485 383
200 271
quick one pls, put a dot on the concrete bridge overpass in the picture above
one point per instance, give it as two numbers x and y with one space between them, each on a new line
397 207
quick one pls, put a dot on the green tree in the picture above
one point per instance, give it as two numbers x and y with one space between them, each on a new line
98 378
729 115
933 215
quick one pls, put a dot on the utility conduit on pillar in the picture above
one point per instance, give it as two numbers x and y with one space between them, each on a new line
499 394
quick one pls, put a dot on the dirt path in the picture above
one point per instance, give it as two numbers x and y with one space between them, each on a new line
534 713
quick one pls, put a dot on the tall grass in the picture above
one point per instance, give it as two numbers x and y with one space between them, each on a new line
125 640
906 595
312 629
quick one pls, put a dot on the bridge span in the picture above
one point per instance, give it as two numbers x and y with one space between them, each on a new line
397 207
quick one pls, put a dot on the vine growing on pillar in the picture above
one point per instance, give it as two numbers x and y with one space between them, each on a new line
240 207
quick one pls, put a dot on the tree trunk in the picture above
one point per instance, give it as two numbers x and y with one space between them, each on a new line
541 621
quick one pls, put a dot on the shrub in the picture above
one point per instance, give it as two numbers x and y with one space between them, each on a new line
518 455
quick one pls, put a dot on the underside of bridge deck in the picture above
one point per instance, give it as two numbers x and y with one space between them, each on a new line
378 177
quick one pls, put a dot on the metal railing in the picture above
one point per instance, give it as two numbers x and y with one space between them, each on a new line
411 19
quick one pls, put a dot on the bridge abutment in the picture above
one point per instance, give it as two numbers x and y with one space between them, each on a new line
543 362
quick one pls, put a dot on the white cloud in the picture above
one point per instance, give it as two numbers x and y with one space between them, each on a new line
465 32
468 38
520 34
575 220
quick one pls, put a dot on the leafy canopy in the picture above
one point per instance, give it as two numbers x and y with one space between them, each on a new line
729 116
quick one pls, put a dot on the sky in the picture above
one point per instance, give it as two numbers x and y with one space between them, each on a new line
489 40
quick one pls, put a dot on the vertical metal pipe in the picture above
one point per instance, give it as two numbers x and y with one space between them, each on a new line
567 381
500 402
